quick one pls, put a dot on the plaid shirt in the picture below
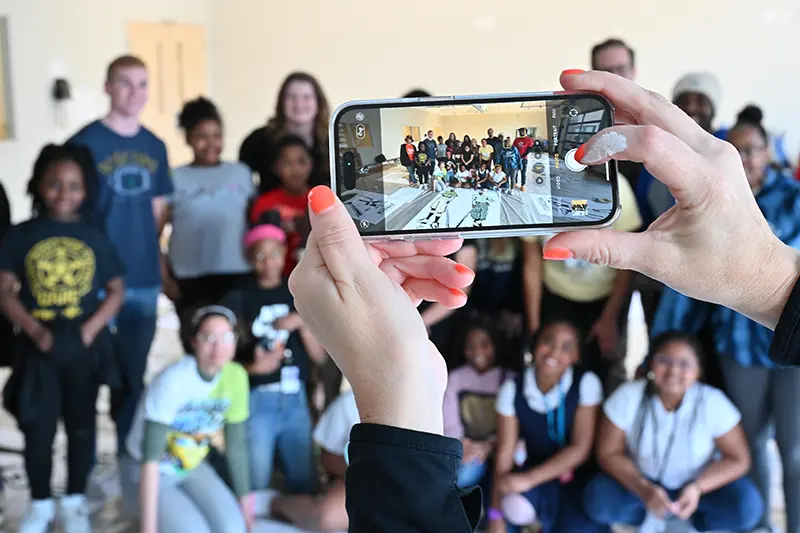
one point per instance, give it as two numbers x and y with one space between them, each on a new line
735 335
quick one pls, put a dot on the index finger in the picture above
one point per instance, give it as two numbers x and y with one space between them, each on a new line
647 107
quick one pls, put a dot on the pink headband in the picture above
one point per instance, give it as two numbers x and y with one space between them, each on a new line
262 233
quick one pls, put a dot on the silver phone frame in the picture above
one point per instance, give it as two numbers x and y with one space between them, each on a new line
468 233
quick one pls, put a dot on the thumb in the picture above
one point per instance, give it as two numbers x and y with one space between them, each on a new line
611 248
336 237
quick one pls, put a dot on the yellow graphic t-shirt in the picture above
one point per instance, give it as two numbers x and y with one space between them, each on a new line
196 410
61 267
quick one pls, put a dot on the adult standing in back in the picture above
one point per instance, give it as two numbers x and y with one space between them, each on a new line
301 110
133 184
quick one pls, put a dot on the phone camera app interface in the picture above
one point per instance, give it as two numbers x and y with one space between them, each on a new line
493 165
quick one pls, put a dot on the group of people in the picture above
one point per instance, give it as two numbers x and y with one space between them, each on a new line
599 450
534 356
496 163
80 282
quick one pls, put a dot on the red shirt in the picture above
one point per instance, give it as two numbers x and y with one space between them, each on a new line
291 208
523 144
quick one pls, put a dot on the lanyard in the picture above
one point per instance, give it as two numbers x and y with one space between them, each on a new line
555 423
670 442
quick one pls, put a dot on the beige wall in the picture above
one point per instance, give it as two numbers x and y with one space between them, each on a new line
370 49
392 122
506 123
73 37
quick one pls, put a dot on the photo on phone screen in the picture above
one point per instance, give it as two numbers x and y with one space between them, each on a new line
499 163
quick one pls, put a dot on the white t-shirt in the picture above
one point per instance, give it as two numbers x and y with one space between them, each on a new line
195 409
463 175
693 445
333 429
497 177
590 392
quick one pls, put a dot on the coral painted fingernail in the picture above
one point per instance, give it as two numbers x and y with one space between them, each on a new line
557 254
572 72
461 269
457 292
579 153
320 199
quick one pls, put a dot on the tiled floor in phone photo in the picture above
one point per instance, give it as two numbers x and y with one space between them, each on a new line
108 517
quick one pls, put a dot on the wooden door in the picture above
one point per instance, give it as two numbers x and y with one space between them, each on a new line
176 60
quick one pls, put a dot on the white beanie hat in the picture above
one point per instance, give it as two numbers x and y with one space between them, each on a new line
703 83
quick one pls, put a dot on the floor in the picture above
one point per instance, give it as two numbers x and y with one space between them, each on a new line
166 348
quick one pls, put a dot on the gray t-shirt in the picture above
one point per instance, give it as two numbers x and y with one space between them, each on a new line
209 220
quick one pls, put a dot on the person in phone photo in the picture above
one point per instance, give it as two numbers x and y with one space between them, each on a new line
408 156
499 179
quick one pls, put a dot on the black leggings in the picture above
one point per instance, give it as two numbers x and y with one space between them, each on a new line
67 389
423 173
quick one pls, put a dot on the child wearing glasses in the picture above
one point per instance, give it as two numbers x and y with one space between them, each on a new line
165 477
673 447
278 352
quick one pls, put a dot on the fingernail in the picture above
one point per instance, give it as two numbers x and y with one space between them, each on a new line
557 254
457 292
320 199
579 153
572 72
605 144
461 269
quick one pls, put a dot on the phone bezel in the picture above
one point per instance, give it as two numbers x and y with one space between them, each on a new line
612 175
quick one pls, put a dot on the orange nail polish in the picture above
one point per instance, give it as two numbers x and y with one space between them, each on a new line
572 72
320 199
457 292
557 254
461 269
579 153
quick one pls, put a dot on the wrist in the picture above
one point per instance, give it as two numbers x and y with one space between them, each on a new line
494 514
35 330
776 277
389 410
696 486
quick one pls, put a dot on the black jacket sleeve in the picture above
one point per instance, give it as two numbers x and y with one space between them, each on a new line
402 481
785 349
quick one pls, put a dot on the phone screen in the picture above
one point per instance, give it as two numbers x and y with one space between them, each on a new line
494 163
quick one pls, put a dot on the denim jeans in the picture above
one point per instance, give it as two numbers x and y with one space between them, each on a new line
412 174
735 507
280 424
471 474
135 330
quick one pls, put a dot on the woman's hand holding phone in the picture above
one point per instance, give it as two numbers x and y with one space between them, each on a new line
360 301
715 226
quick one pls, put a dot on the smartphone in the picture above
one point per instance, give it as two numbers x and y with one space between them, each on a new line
402 169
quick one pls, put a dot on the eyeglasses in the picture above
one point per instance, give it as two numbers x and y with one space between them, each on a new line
750 151
682 364
226 339
263 256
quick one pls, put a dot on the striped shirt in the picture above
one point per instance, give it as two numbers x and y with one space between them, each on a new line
735 335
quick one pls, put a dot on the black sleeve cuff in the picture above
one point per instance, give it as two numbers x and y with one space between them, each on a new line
785 348
401 481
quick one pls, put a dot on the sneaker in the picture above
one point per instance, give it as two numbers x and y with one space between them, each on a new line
74 514
38 517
